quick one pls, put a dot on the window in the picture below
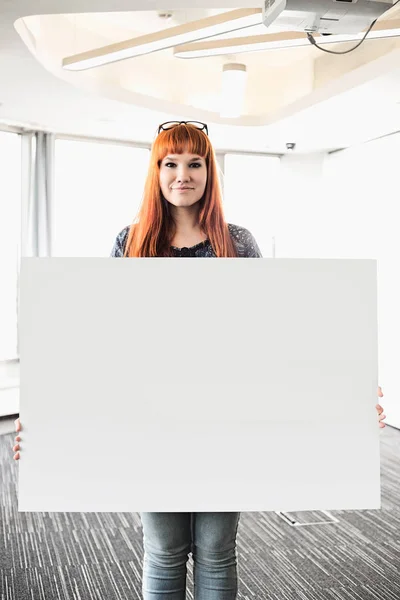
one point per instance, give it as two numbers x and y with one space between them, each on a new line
250 195
98 190
10 233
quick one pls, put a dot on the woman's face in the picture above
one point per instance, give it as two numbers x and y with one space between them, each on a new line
183 178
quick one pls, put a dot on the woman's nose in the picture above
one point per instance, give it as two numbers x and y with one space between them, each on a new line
183 175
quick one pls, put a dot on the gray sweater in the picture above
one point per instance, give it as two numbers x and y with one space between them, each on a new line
245 243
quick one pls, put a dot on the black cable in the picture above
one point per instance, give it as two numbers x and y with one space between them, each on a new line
312 41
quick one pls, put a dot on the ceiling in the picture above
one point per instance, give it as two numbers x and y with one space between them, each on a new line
320 101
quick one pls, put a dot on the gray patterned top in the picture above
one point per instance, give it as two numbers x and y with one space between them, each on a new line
245 243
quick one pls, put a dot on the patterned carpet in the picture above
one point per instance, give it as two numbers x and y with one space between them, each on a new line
98 556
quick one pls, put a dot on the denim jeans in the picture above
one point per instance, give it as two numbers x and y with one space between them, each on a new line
168 538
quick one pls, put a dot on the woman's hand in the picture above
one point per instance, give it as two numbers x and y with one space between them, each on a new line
16 448
379 409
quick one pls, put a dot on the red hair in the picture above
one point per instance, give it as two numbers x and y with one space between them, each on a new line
154 229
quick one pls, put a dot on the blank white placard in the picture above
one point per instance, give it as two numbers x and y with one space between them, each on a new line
190 385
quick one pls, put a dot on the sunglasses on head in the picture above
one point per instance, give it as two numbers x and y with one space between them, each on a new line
171 124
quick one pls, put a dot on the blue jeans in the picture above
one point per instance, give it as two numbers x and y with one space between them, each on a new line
169 537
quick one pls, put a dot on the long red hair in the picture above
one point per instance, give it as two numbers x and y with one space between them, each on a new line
153 229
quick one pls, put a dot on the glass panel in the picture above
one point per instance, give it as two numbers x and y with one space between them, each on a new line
98 190
10 234
250 195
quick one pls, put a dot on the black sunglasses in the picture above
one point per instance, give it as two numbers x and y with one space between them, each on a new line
171 124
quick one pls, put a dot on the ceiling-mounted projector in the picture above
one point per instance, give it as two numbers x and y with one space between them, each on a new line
323 16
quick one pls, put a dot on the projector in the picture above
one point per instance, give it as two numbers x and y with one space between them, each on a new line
323 16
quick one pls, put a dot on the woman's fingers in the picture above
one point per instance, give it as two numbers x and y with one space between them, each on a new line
16 448
381 415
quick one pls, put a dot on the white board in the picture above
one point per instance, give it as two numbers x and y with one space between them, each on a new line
198 385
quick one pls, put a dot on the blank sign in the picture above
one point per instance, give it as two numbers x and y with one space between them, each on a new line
153 384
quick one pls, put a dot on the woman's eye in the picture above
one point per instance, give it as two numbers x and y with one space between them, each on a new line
171 164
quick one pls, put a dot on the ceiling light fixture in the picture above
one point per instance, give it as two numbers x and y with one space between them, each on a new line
161 40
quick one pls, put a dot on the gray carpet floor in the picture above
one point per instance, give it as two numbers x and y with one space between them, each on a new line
98 556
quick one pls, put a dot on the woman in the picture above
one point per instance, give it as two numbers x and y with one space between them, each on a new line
182 215
181 212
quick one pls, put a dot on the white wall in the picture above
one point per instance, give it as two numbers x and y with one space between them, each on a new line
344 205
362 184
